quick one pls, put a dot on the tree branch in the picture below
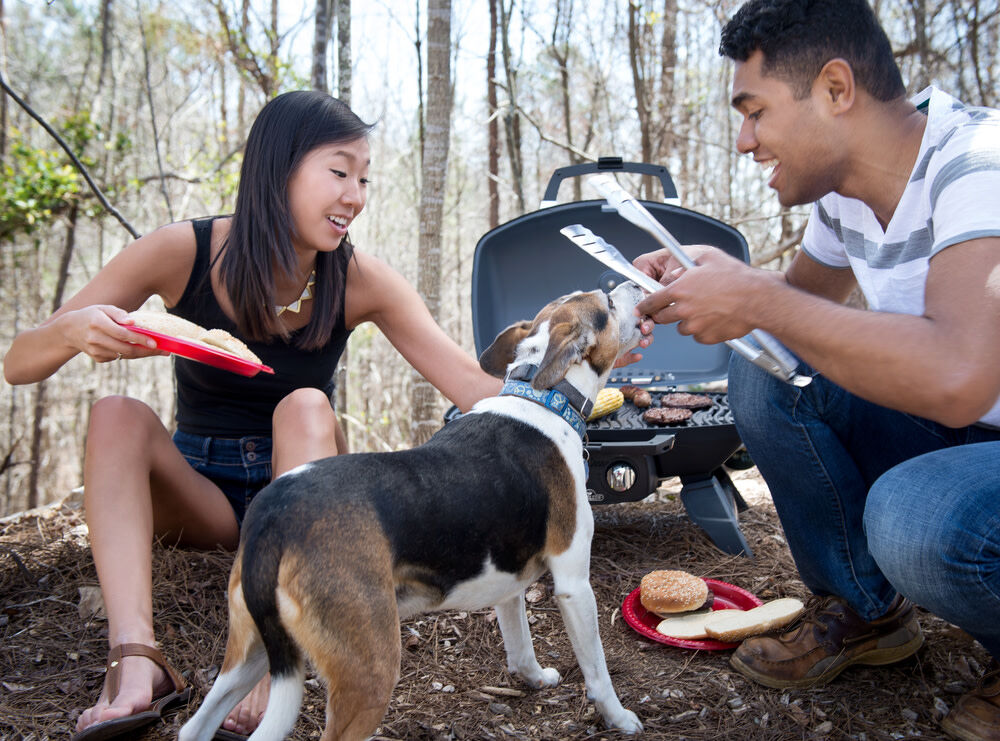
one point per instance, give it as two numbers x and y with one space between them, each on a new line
76 162
584 157
793 241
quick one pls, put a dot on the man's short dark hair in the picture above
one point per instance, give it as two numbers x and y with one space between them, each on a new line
798 37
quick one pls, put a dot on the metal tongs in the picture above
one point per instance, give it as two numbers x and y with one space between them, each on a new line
759 347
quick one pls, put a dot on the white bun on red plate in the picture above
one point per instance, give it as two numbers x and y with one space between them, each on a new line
690 626
732 626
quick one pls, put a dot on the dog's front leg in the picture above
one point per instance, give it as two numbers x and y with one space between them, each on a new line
517 642
579 611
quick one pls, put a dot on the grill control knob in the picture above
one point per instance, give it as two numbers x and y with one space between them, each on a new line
620 476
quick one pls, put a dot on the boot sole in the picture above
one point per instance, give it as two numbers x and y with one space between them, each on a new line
875 657
957 731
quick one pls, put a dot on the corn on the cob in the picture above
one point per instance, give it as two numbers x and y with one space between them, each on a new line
607 401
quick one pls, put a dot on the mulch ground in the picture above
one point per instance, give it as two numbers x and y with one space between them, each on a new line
453 683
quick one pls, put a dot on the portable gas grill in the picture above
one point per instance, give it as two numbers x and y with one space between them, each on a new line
523 264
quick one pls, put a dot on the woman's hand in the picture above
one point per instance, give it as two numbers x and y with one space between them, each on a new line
93 330
102 332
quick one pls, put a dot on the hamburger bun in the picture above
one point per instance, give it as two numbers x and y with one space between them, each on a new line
670 592
689 626
731 626
175 326
221 339
160 321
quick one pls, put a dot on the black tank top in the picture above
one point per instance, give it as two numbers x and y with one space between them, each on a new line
217 403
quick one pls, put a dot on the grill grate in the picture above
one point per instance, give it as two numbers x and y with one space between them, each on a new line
629 417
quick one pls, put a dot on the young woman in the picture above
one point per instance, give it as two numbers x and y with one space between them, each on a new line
281 275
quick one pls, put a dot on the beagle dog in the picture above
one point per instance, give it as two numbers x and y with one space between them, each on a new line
336 552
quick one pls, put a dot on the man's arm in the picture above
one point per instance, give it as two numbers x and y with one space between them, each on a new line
943 365
814 277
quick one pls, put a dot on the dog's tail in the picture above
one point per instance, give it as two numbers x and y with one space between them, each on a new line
262 550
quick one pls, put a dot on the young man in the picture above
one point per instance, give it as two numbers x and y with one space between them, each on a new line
885 470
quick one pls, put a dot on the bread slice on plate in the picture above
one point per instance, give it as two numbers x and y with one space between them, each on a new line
690 626
731 626
175 326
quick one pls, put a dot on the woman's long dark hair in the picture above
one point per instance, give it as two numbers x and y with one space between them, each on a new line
260 235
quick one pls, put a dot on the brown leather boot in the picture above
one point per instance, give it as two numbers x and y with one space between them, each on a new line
976 715
828 638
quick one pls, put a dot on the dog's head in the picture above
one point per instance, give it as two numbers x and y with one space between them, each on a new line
578 337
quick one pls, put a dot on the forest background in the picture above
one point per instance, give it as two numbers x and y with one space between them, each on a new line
477 103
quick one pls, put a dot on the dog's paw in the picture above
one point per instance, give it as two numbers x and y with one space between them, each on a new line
550 677
626 721
537 677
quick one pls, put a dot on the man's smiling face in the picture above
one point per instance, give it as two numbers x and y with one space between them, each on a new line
788 134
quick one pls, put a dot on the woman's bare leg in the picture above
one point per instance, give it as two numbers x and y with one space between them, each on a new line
138 486
305 429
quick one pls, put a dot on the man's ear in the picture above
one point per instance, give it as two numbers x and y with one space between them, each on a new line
500 354
836 85
568 343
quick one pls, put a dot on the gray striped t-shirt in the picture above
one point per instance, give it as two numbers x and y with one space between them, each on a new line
953 195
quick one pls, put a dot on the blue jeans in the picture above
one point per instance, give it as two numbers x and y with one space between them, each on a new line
241 467
876 502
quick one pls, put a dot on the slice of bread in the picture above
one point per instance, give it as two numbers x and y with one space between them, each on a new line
224 341
731 626
176 326
689 626
160 321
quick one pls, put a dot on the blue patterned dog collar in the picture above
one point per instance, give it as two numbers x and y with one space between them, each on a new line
553 400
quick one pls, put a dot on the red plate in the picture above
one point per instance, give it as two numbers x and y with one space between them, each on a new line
202 353
727 597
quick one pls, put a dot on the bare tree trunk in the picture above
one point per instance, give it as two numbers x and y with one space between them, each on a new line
665 141
635 49
919 10
152 118
982 89
512 115
562 27
241 101
37 433
432 191
493 136
224 106
3 71
344 54
106 24
342 11
321 36
421 114
272 60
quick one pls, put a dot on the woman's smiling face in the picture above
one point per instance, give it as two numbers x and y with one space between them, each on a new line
326 192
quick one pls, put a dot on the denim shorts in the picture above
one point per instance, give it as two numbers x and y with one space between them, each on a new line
241 467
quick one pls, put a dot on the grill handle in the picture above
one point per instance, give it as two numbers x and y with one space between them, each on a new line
608 164
658 443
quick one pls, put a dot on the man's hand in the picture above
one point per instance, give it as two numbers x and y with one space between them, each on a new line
711 301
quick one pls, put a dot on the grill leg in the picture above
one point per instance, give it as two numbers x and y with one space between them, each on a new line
713 504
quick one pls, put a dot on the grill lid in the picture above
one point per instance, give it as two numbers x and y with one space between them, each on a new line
525 263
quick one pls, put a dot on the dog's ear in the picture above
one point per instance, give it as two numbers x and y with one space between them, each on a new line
568 343
500 354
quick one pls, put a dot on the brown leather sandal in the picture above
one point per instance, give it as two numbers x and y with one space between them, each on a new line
179 695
